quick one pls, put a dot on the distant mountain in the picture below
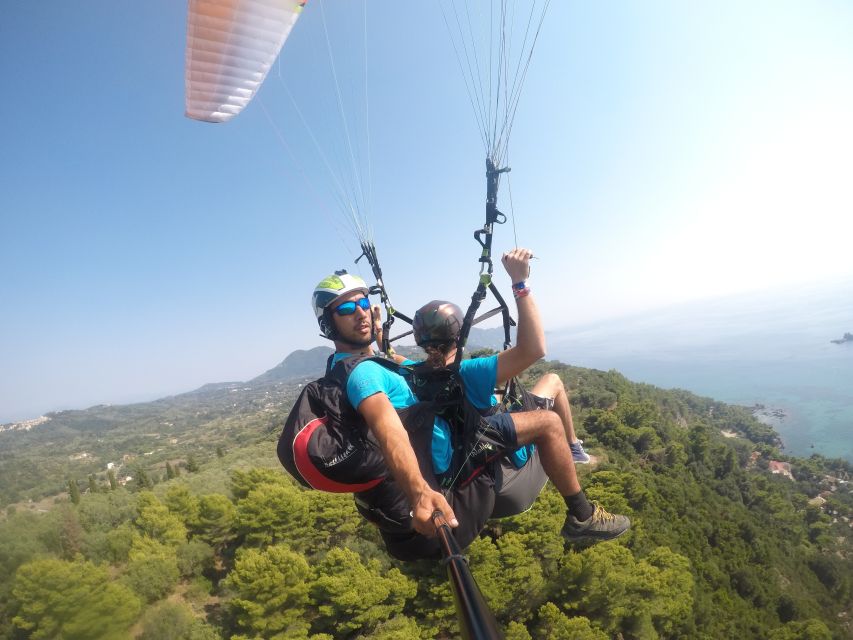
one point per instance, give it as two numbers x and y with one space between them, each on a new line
311 363
301 363
488 338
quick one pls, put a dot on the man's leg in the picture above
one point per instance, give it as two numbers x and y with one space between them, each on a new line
545 430
551 386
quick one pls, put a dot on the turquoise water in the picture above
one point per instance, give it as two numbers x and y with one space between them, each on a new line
771 348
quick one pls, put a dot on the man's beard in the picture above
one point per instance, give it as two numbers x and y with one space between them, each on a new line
359 343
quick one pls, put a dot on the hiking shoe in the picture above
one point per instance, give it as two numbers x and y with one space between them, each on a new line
601 525
578 454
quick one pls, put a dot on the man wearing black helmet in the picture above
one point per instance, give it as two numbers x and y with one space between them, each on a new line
377 393
374 425
518 480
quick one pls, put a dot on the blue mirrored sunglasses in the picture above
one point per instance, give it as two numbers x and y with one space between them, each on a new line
348 308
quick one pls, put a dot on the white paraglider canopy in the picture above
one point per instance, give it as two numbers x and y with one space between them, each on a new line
231 45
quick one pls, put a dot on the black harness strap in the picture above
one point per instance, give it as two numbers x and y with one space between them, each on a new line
368 250
484 238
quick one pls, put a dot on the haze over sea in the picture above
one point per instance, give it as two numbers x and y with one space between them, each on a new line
772 348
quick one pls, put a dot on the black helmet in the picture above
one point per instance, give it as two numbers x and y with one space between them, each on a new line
437 321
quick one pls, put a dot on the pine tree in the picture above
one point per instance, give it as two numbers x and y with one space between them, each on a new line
74 491
142 479
73 600
220 452
192 465
111 476
170 472
93 484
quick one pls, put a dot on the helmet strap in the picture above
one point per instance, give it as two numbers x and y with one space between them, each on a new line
327 325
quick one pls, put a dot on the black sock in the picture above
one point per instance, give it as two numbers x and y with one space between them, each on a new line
579 506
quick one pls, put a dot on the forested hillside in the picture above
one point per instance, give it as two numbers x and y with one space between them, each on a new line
210 539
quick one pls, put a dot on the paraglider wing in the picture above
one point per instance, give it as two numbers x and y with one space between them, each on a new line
231 45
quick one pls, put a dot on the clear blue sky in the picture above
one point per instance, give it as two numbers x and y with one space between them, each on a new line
662 152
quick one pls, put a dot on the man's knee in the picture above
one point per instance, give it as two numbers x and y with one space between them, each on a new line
548 423
535 425
553 379
549 386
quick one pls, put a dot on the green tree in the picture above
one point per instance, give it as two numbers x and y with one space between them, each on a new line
484 352
93 484
143 481
220 452
152 570
273 513
353 595
517 631
396 628
71 600
332 521
182 503
70 533
156 521
509 576
192 464
636 598
555 625
802 630
270 592
23 536
74 492
194 558
119 542
174 621
170 472
111 478
242 482
105 511
216 515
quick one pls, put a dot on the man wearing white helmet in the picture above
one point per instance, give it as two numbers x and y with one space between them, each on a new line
345 316
376 392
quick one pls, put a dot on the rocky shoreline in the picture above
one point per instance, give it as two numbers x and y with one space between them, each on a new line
769 414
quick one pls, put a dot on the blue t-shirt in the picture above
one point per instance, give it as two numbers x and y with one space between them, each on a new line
369 378
479 376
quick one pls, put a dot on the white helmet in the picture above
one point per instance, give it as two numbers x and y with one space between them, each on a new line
330 289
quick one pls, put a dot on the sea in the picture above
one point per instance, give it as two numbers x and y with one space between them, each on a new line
771 348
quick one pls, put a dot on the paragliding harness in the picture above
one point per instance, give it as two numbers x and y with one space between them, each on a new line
475 443
313 449
313 446
326 445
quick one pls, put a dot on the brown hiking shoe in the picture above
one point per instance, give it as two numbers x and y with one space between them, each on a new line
601 525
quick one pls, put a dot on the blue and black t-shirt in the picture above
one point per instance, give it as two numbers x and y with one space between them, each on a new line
479 376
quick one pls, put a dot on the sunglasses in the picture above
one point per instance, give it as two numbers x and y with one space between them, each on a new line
348 308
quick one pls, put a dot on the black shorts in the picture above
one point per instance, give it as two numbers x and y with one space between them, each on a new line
503 430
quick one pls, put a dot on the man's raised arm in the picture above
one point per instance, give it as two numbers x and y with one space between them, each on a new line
530 338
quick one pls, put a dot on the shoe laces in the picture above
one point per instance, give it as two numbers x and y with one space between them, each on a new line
600 514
